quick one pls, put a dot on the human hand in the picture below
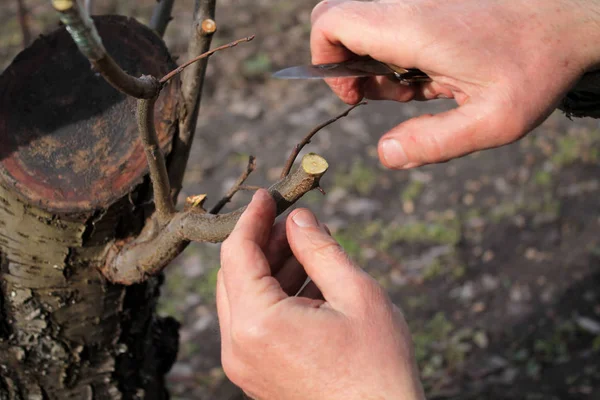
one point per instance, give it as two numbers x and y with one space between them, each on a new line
506 63
354 344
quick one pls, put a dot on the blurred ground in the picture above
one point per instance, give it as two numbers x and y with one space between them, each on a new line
494 258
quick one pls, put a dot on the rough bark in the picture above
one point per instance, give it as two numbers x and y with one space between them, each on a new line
72 181
66 332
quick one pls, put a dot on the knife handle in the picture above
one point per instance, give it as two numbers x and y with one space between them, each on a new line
408 76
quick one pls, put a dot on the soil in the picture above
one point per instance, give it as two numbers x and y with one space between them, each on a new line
494 257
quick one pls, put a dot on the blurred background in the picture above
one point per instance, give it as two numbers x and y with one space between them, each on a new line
494 258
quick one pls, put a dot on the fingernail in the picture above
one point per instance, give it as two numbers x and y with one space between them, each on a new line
393 153
260 195
304 219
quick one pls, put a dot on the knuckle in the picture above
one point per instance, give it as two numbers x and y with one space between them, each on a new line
330 248
317 11
427 145
433 150
372 296
325 6
249 334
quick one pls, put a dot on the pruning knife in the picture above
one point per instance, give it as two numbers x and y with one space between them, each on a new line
354 68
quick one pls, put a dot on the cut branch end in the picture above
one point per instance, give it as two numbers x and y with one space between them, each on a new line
290 161
314 164
62 5
208 26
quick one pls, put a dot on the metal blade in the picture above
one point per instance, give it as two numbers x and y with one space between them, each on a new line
337 70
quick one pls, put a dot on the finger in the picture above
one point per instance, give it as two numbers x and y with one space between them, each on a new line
478 124
246 272
311 291
277 250
365 28
347 89
291 276
384 88
324 260
257 220
343 29
324 6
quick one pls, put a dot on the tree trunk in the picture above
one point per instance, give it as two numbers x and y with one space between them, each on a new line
72 183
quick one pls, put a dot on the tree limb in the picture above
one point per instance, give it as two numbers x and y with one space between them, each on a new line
204 26
146 89
307 138
161 187
23 22
89 6
84 33
155 247
236 186
161 16
156 161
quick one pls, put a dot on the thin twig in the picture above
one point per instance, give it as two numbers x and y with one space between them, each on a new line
24 22
84 33
156 246
250 188
156 161
179 69
236 186
161 16
204 26
307 138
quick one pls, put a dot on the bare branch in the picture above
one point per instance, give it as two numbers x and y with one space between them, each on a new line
236 186
182 67
89 6
84 33
155 247
161 16
307 138
24 23
249 188
156 161
204 26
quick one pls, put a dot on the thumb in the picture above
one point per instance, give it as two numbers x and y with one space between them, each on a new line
436 138
324 260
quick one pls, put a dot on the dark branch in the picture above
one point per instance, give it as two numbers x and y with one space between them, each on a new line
24 23
236 186
204 27
156 161
307 138
161 16
156 246
84 33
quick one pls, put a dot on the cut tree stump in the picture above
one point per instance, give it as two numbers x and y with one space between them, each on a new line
73 179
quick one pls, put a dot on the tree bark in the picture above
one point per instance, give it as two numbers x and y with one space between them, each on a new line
72 182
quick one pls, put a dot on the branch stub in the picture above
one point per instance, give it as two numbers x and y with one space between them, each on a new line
208 26
314 164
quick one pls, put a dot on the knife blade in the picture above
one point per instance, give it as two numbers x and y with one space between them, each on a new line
353 68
